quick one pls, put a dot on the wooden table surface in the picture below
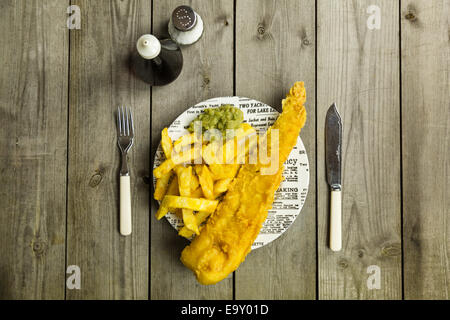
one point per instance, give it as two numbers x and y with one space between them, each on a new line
59 161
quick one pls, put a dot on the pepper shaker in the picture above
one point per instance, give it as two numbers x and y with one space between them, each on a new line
157 62
185 25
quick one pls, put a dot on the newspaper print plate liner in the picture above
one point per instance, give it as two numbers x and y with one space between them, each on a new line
290 196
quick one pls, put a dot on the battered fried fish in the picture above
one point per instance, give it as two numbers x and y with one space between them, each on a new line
230 232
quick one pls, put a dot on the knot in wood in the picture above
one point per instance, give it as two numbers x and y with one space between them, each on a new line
343 264
261 30
96 179
391 250
410 16
146 179
38 247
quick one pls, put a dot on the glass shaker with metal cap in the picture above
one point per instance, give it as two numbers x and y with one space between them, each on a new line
185 25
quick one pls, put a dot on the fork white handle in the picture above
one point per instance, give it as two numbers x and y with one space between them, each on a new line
335 221
125 206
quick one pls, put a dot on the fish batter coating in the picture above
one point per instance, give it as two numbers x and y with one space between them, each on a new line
229 233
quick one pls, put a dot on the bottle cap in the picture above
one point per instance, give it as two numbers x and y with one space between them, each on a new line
148 46
184 18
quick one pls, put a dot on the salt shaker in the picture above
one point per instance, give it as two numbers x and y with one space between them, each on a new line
157 62
185 25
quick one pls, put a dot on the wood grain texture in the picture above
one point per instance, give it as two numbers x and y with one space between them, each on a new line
207 73
358 69
33 137
275 46
57 84
426 145
112 266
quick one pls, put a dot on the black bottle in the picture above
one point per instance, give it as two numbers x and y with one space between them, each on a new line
157 62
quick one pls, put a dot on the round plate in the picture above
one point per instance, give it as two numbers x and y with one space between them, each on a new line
290 196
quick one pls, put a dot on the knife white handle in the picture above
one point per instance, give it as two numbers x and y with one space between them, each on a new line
335 221
125 206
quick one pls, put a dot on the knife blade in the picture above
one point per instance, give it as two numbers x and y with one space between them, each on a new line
333 136
333 159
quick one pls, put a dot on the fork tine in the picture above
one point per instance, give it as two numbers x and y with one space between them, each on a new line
119 122
132 124
128 121
124 130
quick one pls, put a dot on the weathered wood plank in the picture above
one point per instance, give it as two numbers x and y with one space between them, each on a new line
207 73
112 266
358 68
33 139
426 145
275 46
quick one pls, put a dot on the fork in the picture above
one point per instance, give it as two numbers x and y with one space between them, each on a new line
125 137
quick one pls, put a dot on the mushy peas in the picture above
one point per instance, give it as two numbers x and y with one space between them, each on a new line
223 118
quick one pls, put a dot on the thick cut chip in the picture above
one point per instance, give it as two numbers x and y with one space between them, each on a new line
178 158
173 189
185 232
206 180
223 171
164 168
189 220
166 143
220 186
162 184
200 218
197 193
184 141
184 180
196 204
194 182
185 156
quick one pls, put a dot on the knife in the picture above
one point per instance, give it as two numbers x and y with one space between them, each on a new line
333 147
